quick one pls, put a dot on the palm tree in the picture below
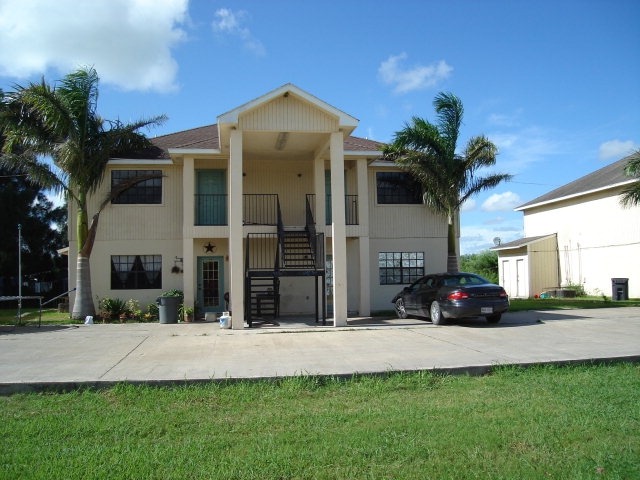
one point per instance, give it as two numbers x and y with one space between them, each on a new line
631 194
40 121
428 152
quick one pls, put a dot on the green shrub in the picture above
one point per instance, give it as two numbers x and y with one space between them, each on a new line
112 308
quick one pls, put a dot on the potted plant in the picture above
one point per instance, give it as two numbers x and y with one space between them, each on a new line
188 314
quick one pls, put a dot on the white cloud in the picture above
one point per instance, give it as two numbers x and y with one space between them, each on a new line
468 206
616 149
499 202
419 77
521 148
505 120
228 22
127 41
475 238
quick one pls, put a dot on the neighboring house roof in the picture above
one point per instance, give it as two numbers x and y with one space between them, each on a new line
206 138
607 177
523 242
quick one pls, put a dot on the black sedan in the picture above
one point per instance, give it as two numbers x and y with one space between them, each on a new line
452 295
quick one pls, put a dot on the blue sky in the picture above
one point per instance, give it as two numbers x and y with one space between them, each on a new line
555 84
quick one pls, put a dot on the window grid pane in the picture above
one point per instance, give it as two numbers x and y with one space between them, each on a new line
145 192
398 188
397 268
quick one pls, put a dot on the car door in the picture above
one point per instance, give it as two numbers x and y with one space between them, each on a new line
427 294
411 296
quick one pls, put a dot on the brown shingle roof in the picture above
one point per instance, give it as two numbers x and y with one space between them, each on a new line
357 144
207 138
608 176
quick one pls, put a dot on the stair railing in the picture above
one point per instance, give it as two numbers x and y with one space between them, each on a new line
310 228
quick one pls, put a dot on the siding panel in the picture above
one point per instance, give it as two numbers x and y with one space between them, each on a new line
288 115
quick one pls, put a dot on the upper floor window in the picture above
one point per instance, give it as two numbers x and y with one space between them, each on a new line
398 188
144 192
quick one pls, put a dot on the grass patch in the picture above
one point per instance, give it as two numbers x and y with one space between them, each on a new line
543 422
29 316
517 304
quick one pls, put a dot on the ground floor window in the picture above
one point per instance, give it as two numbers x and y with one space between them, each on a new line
399 268
136 272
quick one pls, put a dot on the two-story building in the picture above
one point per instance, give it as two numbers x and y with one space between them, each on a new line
278 205
577 235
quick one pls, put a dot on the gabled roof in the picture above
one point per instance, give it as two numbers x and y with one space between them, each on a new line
206 138
344 119
522 242
606 178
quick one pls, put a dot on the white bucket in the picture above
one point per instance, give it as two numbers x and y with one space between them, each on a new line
225 320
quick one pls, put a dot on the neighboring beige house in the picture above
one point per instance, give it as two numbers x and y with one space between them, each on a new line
277 204
580 235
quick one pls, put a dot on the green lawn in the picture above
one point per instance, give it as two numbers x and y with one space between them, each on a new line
580 422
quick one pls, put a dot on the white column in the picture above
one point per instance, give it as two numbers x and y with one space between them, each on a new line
364 309
318 180
236 261
188 221
339 231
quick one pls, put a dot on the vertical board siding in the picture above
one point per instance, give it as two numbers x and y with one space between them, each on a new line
400 221
142 222
281 177
597 240
543 266
288 115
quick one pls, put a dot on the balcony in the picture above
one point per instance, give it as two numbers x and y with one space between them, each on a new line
260 209
257 209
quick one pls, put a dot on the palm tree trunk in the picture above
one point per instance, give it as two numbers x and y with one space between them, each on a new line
83 304
452 256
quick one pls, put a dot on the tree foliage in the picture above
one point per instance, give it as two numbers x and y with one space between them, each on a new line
43 232
631 194
448 179
484 263
60 122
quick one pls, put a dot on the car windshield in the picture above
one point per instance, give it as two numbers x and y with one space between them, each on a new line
464 280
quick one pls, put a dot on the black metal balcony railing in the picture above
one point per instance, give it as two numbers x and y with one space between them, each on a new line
262 209
257 209
350 210
211 209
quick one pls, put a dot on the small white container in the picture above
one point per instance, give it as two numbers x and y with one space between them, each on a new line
225 320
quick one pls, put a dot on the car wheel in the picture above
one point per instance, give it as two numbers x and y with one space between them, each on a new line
435 313
400 310
495 318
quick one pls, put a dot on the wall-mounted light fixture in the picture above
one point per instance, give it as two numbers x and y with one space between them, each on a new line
176 268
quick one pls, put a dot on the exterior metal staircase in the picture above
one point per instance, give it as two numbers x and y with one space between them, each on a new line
290 252
297 252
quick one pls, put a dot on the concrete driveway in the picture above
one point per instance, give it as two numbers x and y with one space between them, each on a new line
67 357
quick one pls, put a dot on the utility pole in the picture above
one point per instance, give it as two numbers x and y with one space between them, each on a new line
19 274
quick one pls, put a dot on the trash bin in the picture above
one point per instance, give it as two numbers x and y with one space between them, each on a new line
168 308
620 289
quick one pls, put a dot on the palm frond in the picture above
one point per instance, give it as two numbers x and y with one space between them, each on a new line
449 111
477 185
36 171
630 196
